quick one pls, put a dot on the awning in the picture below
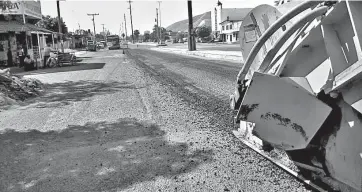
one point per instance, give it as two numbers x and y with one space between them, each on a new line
15 26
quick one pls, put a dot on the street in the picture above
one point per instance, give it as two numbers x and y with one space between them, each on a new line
139 121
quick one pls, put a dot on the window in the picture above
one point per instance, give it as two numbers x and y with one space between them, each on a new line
223 28
231 26
227 27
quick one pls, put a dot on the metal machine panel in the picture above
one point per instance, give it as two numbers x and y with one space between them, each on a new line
253 26
285 115
344 148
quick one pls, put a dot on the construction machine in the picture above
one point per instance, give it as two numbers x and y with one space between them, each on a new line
299 91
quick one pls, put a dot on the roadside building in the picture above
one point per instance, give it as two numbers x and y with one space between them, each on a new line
230 30
19 36
80 37
172 35
225 22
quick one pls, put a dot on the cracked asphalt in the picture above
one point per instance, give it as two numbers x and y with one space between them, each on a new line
143 121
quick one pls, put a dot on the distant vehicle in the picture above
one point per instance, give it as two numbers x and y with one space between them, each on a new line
201 40
104 43
215 40
100 45
161 44
113 42
91 45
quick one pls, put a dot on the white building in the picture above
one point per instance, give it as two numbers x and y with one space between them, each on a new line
225 22
230 30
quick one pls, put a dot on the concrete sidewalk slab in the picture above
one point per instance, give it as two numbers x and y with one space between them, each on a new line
213 54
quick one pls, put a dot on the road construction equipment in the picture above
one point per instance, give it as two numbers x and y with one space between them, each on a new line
300 88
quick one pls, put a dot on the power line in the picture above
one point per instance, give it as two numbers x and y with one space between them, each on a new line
130 12
94 25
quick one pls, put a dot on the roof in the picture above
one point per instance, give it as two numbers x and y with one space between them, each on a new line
230 21
6 26
234 14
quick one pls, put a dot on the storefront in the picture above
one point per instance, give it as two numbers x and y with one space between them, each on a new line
19 36
17 40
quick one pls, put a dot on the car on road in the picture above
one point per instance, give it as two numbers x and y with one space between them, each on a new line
104 43
100 45
161 44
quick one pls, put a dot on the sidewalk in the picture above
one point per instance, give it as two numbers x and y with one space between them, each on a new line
212 54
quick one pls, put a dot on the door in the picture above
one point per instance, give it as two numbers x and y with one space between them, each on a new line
231 38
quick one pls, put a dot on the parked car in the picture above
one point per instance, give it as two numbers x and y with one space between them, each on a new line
104 43
100 45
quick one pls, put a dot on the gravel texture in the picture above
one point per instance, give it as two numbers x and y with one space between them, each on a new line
195 110
133 125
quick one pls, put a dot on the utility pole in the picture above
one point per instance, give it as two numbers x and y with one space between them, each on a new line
130 12
159 9
122 29
125 25
59 28
94 25
103 28
191 41
157 28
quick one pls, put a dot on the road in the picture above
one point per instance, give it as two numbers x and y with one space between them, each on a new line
144 121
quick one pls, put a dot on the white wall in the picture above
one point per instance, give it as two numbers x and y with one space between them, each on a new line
218 19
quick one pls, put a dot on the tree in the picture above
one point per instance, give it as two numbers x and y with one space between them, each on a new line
180 36
203 31
146 36
156 32
51 23
136 34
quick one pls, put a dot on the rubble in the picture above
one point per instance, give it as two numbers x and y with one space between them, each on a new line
15 88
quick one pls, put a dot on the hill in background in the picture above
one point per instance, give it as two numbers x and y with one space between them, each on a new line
204 19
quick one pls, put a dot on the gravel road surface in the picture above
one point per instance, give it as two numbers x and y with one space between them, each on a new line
144 121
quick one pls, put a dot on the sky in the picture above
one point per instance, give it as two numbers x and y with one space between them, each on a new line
111 13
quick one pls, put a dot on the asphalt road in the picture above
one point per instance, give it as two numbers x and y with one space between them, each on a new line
144 121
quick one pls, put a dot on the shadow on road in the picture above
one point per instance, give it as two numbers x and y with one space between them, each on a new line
65 68
93 157
60 94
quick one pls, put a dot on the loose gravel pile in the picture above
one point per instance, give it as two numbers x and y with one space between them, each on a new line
15 88
191 115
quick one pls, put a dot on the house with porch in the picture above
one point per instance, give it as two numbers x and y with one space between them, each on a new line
19 36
